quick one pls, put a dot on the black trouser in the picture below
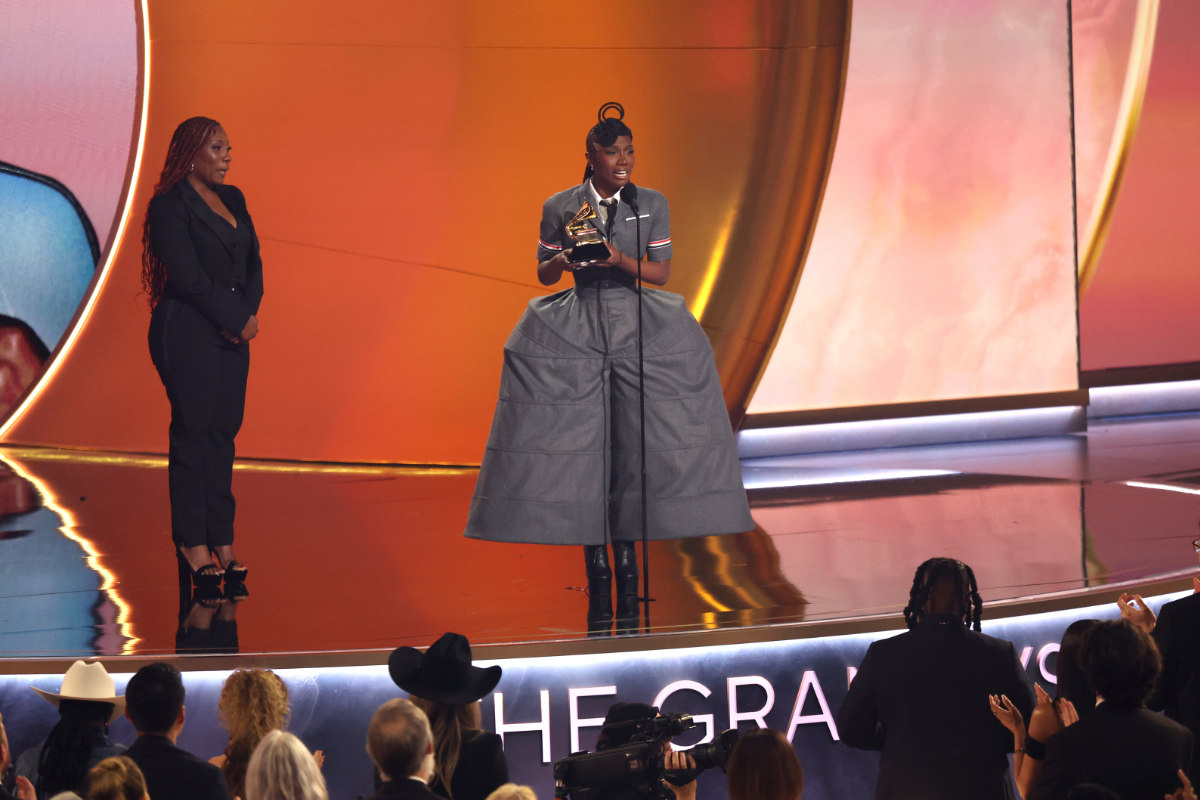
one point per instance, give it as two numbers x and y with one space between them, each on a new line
205 378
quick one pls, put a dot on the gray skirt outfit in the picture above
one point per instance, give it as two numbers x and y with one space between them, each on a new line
563 463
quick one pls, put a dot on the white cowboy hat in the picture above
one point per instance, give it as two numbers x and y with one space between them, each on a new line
88 682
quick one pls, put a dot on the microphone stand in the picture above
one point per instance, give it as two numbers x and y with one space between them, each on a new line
637 246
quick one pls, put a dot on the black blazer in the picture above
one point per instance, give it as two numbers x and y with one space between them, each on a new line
197 254
922 698
1177 635
174 773
403 789
1134 752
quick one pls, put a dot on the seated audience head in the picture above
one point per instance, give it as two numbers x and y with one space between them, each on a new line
86 702
154 699
1072 684
511 791
1121 663
253 702
447 687
117 778
5 755
1092 791
944 586
400 742
763 766
281 768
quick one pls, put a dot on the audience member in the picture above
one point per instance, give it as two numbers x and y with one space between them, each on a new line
24 788
1122 746
1176 631
117 778
154 704
253 703
87 702
511 791
921 697
400 744
442 682
1074 699
763 766
281 768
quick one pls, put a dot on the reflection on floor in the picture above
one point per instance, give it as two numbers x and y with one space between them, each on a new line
369 558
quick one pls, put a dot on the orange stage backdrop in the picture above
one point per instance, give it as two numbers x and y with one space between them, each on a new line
395 158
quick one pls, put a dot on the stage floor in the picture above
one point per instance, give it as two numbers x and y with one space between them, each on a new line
347 560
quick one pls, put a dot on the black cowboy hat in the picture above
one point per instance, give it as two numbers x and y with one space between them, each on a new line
443 673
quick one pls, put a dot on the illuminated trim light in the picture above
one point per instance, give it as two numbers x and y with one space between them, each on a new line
1143 398
975 427
1164 487
770 478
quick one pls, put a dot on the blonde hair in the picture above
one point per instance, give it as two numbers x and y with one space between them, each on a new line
253 703
116 778
511 791
448 723
281 768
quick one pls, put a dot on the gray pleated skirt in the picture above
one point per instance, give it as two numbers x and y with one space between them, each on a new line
562 464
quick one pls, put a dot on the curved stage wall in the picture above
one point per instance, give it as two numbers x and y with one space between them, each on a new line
395 163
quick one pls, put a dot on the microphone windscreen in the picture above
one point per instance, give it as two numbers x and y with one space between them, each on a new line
629 195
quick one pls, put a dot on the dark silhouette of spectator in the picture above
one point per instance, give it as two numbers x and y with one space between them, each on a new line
763 766
1123 746
400 744
154 704
87 702
921 697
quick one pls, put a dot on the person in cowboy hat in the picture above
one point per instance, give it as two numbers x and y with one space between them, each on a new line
87 702
442 682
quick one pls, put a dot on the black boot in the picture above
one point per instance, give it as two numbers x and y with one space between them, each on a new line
599 575
625 569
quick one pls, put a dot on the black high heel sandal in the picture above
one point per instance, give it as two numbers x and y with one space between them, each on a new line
207 576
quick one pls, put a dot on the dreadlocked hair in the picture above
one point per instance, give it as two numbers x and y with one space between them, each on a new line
449 724
191 135
934 572
63 762
603 134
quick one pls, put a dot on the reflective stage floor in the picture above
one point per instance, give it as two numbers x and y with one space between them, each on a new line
347 560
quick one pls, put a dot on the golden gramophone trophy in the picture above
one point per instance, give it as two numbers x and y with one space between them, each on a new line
586 242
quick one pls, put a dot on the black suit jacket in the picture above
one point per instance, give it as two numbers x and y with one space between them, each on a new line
1177 635
403 789
174 773
1134 752
922 698
197 254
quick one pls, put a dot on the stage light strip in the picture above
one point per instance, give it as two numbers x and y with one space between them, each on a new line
66 346
1164 487
976 427
779 478
69 529
158 462
1143 398
713 269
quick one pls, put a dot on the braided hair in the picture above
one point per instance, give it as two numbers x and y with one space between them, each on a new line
934 572
63 762
191 135
605 132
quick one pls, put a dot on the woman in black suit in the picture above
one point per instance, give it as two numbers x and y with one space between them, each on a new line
202 272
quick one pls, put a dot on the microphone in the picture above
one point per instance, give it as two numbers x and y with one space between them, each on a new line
629 197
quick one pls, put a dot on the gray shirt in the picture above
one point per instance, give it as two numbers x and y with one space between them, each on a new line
655 240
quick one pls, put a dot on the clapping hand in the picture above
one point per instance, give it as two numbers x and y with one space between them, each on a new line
1134 609
1008 715
1185 792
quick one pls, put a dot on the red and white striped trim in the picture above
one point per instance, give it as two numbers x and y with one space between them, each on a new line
660 242
549 246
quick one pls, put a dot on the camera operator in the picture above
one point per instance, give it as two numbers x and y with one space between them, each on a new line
620 725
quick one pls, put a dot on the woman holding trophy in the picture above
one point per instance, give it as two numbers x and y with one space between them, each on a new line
563 463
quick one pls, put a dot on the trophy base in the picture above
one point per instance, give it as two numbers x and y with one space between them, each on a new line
592 251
